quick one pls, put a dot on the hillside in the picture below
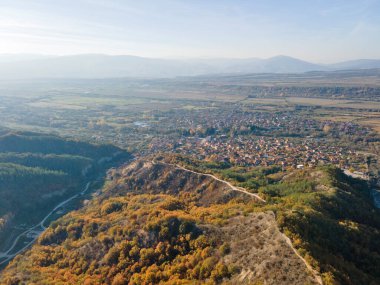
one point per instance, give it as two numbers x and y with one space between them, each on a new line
39 171
330 217
160 221
154 223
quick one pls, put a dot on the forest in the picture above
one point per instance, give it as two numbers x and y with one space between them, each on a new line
37 171
143 235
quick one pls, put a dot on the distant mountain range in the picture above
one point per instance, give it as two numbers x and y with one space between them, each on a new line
108 66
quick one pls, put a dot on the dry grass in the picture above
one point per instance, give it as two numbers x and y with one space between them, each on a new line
262 252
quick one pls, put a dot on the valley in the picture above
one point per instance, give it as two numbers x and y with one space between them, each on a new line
27 190
212 180
172 142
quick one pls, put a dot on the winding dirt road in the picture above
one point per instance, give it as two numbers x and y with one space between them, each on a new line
234 188
308 266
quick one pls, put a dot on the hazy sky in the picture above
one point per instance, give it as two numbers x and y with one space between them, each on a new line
315 30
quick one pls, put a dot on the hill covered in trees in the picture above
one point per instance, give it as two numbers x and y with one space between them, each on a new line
159 220
38 171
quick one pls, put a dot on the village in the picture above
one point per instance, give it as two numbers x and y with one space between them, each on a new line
238 133
264 139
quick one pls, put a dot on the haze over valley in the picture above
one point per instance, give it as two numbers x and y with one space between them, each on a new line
119 66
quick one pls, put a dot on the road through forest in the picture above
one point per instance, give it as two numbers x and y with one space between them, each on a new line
36 230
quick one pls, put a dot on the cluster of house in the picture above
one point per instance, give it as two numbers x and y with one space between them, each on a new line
263 151
234 122
264 139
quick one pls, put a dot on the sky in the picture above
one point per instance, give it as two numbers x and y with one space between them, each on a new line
321 31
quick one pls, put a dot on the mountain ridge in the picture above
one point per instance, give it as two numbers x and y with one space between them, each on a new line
118 66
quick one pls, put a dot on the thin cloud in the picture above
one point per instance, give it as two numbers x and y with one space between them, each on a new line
316 30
